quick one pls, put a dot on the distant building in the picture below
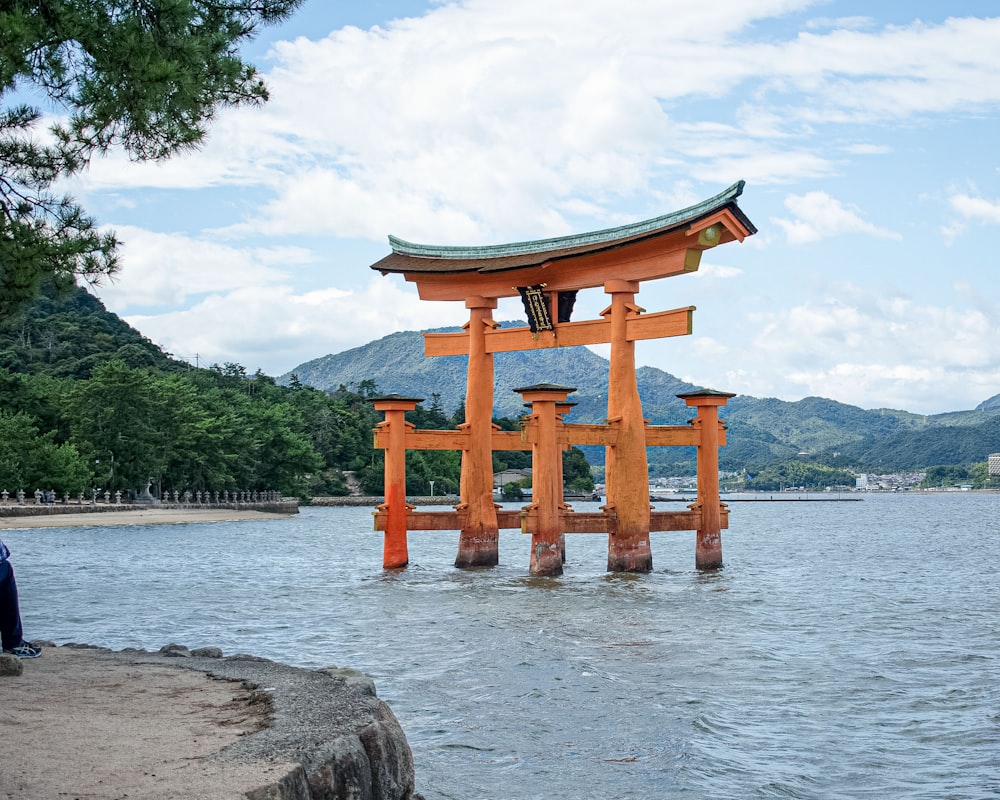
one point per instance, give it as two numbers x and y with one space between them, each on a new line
994 463
861 482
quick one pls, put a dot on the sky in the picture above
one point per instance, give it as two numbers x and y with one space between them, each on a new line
868 145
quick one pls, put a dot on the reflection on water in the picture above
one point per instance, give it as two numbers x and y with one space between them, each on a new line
846 650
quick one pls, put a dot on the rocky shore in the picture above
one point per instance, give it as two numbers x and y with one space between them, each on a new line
88 722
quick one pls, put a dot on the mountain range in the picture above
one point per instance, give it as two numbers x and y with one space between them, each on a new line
65 338
761 430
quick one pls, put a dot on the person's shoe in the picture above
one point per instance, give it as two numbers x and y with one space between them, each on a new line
25 650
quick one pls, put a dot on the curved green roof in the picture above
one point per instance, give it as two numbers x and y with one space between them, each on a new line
671 220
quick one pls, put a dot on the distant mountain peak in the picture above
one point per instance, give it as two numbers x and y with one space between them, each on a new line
761 430
993 402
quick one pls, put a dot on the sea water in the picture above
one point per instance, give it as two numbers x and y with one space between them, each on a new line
845 650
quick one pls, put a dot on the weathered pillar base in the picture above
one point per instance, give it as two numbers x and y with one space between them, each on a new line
708 550
394 552
629 555
546 559
478 549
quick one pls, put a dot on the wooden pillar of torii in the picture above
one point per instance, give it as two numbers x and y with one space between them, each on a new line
478 543
626 469
547 550
545 273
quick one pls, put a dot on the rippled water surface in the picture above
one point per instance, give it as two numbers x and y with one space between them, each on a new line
846 649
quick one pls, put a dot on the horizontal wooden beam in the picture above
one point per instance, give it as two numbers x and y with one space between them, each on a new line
677 436
445 520
583 433
450 440
659 325
569 521
567 435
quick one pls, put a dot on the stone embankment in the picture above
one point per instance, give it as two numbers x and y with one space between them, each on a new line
324 733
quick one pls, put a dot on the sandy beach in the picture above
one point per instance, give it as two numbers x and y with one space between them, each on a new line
145 516
87 723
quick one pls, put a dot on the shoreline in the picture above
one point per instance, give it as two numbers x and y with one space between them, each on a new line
29 517
195 723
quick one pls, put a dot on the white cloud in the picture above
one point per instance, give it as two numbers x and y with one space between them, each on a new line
976 209
485 121
867 149
489 121
899 71
718 271
166 269
878 352
870 349
820 216
842 23
275 329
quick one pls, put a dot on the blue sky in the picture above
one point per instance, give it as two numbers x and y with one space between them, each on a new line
868 145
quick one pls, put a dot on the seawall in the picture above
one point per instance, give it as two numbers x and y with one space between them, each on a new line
115 724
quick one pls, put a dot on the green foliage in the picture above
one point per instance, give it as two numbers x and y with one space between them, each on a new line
949 441
761 431
117 416
979 475
512 492
511 459
444 467
372 475
789 474
146 77
30 460
65 334
114 406
429 419
950 476
576 471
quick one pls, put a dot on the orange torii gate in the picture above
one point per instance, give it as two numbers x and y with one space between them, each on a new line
547 274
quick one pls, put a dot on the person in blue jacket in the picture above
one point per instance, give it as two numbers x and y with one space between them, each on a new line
10 612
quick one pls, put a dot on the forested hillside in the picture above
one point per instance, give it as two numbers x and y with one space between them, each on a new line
87 403
397 364
67 336
762 431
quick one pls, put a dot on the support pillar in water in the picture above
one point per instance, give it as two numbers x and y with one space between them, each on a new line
479 539
708 544
546 477
395 554
626 468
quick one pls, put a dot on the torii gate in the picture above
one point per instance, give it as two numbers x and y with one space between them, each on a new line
547 274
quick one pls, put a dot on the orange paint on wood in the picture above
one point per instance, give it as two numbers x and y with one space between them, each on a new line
659 325
708 542
640 261
478 544
627 517
394 546
732 228
546 480
626 468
